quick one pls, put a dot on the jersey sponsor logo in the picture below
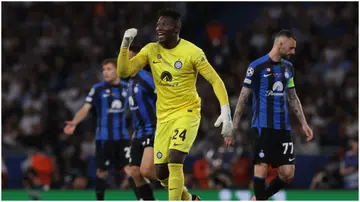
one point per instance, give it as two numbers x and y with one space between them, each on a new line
116 107
178 64
166 76
277 89
250 71
248 81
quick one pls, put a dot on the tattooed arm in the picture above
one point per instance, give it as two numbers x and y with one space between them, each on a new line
295 105
244 95
243 98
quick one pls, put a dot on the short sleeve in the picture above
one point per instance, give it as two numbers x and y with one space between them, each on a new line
250 77
91 97
291 83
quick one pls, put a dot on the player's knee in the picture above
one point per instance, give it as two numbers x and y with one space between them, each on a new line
162 171
101 173
286 175
176 156
261 170
135 171
146 172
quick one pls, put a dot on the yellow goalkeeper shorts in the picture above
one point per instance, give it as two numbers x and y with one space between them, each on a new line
178 134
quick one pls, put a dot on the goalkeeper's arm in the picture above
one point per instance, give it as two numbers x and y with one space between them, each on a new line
126 67
208 72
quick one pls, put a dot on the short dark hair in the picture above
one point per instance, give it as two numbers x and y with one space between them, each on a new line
170 12
286 33
109 60
135 48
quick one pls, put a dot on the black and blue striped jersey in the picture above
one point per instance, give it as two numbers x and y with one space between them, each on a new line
269 81
142 100
111 104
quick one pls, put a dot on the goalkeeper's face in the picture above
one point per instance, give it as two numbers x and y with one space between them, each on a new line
109 72
166 29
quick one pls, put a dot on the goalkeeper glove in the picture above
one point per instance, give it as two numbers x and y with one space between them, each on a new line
225 119
129 36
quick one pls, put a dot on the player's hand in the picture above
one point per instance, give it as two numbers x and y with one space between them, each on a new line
225 119
229 141
69 128
308 132
129 36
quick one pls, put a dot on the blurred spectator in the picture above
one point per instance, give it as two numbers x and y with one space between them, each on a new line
350 166
201 173
4 173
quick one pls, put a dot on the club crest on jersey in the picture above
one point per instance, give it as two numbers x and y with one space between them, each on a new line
268 69
286 74
124 93
250 71
261 154
136 89
178 64
107 90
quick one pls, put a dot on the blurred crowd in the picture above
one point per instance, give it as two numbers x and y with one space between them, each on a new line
52 55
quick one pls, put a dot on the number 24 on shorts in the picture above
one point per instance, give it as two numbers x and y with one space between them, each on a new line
179 133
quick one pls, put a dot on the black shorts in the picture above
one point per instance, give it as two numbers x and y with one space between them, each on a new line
137 149
274 147
114 153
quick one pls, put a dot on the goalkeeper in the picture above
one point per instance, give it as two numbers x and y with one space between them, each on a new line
174 63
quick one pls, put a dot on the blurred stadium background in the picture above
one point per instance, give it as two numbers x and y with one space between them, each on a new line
52 53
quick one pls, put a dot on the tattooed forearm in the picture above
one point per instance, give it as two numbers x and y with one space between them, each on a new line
244 95
295 105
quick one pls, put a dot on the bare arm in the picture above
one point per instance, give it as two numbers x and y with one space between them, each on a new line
295 105
81 114
243 98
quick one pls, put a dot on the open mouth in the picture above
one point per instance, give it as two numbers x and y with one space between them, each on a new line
161 34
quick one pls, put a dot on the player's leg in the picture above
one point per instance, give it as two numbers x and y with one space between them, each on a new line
286 174
284 162
145 160
184 131
161 149
147 168
262 156
100 184
161 146
135 162
260 174
102 164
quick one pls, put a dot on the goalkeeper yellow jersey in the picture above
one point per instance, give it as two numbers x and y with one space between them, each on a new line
175 72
